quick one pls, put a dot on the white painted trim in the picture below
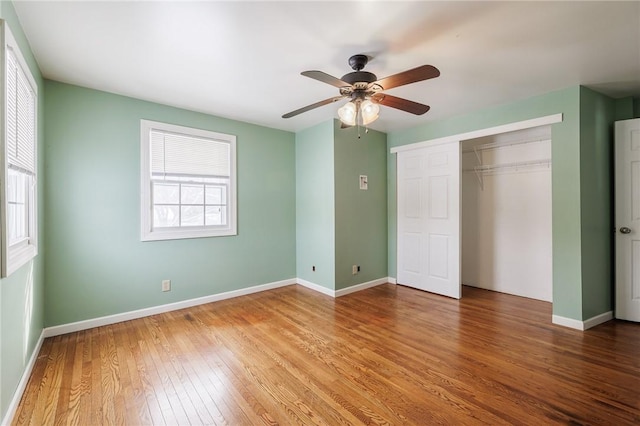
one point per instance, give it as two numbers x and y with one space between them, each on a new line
140 313
598 319
510 127
15 257
316 287
147 232
582 325
22 385
360 287
343 291
567 322
391 280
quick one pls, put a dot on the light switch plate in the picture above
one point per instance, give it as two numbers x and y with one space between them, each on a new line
364 183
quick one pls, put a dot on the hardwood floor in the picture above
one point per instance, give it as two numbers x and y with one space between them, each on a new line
386 355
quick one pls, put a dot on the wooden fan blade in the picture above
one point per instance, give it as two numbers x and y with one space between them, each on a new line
424 72
400 103
325 78
312 106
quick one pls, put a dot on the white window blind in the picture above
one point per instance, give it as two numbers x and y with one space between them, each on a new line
180 155
20 118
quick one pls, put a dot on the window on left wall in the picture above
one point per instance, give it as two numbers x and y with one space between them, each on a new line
18 194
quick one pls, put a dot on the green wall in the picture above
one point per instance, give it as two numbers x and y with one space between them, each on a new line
566 150
22 294
315 205
361 216
597 115
96 263
624 108
339 225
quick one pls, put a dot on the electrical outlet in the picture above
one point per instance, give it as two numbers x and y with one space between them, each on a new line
166 285
354 269
313 268
358 268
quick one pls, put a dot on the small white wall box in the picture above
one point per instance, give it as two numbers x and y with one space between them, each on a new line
363 182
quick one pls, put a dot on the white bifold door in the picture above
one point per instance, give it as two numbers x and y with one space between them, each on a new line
429 219
627 219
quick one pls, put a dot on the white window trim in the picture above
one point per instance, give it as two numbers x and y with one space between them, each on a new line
147 233
16 256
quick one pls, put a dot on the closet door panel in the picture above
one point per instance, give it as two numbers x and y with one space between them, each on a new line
429 219
627 219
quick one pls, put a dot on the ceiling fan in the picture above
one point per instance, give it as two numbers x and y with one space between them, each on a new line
365 92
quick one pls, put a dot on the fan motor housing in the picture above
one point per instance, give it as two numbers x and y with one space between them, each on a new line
359 77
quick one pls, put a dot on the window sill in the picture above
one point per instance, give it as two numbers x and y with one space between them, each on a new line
17 257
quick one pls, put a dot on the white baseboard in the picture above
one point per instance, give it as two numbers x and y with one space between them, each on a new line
22 385
582 325
140 313
343 291
391 280
316 287
598 319
360 287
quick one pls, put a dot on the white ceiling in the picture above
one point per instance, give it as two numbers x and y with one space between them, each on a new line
242 60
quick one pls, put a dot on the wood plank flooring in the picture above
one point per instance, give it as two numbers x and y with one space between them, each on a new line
387 355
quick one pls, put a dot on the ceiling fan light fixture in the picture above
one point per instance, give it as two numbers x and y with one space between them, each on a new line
348 113
369 112
364 92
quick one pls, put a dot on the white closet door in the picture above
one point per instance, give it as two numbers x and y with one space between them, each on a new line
429 219
627 173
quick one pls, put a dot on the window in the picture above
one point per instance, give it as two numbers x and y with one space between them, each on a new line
188 182
19 242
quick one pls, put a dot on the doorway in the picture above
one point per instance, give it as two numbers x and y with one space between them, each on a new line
506 237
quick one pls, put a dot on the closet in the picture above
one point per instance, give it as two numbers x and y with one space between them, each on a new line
475 209
506 241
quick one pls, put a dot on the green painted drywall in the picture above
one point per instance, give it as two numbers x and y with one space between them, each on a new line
361 216
623 108
96 263
566 215
22 294
315 205
338 225
597 115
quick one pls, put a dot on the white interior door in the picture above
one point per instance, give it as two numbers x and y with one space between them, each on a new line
627 222
429 219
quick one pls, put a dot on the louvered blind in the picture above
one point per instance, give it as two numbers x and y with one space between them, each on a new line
21 116
174 154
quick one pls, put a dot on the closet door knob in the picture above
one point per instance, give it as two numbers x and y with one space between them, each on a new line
625 230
